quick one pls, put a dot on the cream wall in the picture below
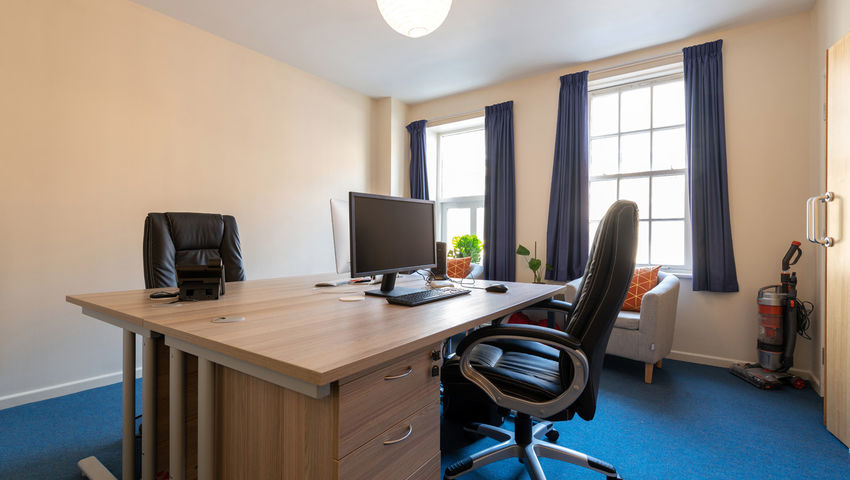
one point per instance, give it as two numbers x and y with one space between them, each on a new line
830 21
771 166
390 147
110 111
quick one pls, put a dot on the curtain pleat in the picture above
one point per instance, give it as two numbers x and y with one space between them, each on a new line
713 257
567 241
418 166
499 194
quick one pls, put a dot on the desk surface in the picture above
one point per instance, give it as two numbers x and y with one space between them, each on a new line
305 332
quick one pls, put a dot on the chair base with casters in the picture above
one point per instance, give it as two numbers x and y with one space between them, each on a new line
527 444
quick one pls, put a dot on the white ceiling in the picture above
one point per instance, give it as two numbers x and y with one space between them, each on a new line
482 42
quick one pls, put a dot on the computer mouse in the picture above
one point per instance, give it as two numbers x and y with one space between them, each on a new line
497 288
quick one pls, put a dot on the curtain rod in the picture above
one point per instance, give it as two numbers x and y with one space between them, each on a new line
455 115
636 62
598 70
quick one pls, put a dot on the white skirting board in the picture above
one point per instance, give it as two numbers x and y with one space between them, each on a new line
110 378
62 389
727 362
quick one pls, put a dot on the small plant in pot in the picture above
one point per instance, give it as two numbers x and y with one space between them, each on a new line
534 263
467 246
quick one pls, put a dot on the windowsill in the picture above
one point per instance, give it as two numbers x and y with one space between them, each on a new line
680 274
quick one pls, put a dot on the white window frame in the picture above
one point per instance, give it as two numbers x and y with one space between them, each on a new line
640 80
472 202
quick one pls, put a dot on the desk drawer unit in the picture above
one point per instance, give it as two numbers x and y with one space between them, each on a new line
399 452
429 471
384 424
372 403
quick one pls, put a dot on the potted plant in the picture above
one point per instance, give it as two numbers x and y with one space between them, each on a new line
534 263
467 246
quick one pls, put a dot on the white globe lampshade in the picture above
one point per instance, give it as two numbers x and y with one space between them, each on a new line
414 18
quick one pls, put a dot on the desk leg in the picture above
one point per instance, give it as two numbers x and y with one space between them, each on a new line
128 425
176 416
206 384
148 408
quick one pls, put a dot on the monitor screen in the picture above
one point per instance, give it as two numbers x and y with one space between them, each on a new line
390 234
342 247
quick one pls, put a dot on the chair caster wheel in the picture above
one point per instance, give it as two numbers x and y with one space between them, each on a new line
552 435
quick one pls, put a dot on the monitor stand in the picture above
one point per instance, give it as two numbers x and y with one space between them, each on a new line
388 288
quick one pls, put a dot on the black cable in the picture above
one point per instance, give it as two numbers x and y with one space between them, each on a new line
471 285
804 312
428 277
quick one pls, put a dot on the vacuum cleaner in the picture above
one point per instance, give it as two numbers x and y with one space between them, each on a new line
781 318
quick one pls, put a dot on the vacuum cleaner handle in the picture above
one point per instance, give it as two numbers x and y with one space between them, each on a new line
786 260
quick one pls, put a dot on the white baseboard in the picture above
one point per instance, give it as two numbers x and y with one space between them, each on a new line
703 359
727 362
45 393
53 391
816 385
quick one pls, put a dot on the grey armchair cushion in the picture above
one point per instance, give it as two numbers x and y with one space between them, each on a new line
628 320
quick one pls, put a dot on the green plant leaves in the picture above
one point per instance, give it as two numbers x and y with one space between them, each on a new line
521 250
467 246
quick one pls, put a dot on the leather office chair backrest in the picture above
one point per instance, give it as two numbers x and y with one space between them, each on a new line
607 276
173 239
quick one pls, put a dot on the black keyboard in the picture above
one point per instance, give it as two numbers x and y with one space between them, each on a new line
427 296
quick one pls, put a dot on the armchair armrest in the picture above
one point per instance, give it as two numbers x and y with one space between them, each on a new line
547 336
658 314
572 289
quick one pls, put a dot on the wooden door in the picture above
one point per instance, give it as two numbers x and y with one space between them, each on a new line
837 311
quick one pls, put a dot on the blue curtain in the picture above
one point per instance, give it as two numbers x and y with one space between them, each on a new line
418 167
705 125
499 193
567 240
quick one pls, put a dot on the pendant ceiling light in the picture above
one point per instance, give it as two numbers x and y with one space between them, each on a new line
414 18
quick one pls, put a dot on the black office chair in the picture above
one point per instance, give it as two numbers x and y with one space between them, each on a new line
550 374
173 239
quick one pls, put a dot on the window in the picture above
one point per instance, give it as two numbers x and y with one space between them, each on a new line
456 173
638 153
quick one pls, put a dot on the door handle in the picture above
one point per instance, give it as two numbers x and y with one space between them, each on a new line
814 232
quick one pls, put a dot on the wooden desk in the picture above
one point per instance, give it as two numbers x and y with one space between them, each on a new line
306 386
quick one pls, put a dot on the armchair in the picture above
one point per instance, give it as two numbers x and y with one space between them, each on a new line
645 336
546 373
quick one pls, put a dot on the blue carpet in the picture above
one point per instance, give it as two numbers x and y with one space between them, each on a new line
692 422
45 440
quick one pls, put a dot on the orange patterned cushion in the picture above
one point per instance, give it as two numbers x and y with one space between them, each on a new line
643 280
457 267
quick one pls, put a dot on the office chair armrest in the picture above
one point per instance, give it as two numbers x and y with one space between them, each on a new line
547 336
553 305
550 305
527 332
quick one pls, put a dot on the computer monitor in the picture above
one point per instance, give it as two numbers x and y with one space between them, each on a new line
342 247
390 235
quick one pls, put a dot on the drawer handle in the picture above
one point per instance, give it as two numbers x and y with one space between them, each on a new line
396 377
409 431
